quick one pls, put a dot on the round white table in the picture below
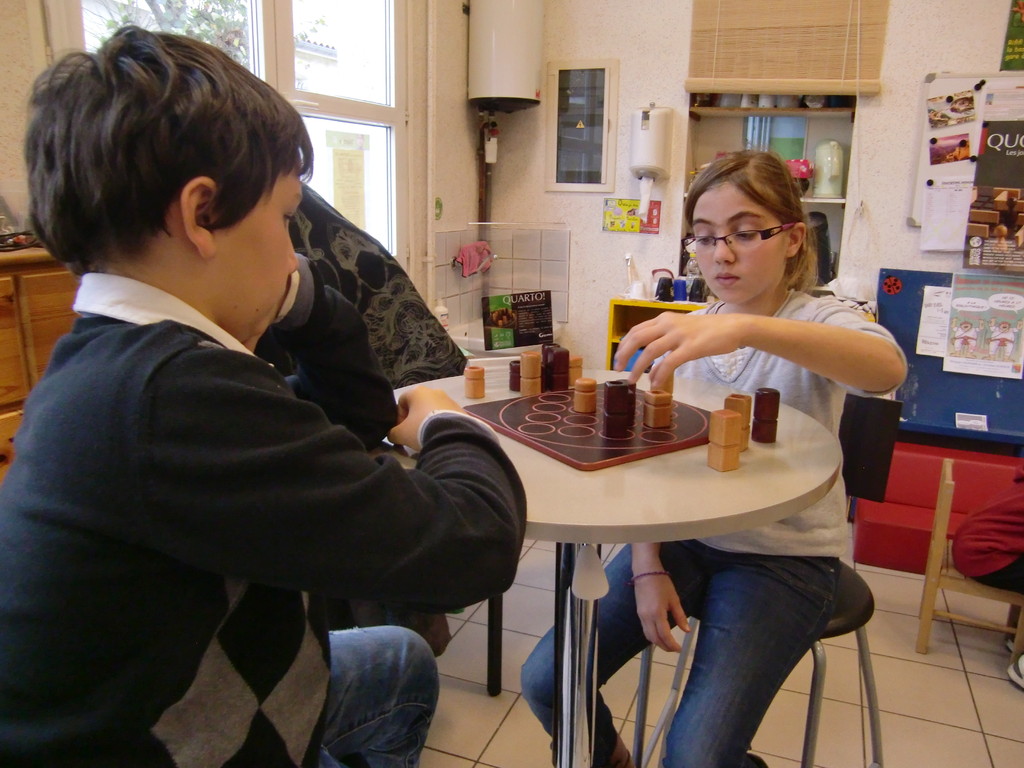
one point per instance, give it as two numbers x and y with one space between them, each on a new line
659 498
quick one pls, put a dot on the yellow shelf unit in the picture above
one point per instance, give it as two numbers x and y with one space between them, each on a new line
623 314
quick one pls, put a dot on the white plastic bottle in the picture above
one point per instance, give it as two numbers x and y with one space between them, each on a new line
441 313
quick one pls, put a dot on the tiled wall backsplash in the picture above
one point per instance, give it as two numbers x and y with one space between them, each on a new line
528 258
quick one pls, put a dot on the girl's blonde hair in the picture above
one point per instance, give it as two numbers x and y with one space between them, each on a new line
765 179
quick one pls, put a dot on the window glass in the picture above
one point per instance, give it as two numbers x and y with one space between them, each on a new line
353 170
343 49
227 24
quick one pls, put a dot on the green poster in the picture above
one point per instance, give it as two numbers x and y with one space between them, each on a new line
1013 50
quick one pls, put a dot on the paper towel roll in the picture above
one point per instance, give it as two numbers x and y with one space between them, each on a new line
646 185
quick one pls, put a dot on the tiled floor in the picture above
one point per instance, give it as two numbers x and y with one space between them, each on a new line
950 708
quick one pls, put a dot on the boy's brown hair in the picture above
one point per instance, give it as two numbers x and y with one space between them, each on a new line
115 135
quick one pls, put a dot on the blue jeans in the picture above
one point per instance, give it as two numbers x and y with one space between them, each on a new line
380 700
759 615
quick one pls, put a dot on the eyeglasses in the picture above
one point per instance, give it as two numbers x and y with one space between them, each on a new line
738 242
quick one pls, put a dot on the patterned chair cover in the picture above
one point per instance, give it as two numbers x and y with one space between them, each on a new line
410 342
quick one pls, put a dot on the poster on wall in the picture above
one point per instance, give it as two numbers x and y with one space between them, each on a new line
1013 49
517 319
995 220
986 317
620 215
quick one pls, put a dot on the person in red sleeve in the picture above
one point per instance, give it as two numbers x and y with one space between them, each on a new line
989 548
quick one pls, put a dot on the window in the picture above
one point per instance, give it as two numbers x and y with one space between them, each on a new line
340 62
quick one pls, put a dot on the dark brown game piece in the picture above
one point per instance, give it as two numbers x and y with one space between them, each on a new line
763 430
619 397
513 375
617 425
766 404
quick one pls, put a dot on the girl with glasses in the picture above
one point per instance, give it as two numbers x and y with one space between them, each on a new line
763 596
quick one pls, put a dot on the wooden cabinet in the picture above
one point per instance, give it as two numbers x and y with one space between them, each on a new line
623 314
36 294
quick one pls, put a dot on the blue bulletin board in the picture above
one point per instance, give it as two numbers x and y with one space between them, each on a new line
931 396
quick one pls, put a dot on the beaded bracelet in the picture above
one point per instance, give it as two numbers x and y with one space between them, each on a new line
633 581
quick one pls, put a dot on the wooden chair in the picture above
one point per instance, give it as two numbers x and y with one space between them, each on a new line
867 434
941 574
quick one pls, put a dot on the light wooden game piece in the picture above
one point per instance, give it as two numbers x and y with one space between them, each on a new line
725 428
764 430
743 405
585 384
584 402
474 376
529 386
657 416
529 365
658 397
723 458
575 367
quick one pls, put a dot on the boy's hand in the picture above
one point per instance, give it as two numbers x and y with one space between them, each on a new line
413 407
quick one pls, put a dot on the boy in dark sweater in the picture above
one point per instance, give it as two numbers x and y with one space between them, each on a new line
177 508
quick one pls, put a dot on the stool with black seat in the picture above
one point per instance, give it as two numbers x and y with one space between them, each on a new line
867 434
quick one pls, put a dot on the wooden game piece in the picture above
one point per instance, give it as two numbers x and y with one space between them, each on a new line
723 458
764 430
529 364
743 405
725 428
584 402
585 384
529 386
657 416
575 367
617 397
617 425
513 375
658 397
474 376
766 404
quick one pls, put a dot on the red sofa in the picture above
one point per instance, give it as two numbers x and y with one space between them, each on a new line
895 533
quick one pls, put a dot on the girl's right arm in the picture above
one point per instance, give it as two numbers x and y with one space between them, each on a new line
656 598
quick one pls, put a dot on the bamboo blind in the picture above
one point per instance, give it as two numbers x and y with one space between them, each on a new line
793 46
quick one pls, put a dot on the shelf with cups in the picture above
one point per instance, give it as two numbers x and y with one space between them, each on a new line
814 140
810 112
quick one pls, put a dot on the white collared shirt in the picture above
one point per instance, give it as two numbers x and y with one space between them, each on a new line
124 298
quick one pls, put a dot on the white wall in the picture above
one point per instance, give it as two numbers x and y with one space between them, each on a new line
651 42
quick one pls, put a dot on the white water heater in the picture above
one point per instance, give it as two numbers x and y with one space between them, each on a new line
505 54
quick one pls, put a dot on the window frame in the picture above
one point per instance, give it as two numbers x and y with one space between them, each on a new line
274 61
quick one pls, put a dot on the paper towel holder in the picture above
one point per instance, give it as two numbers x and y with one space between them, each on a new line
650 151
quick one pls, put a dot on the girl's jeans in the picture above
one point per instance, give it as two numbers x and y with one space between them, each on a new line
759 614
380 700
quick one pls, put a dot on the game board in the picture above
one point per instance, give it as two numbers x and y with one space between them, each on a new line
548 423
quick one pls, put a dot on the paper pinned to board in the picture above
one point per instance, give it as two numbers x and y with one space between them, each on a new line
946 205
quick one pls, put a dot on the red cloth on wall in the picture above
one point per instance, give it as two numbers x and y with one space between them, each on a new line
992 537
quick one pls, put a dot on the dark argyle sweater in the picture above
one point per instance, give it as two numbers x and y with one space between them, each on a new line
173 512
